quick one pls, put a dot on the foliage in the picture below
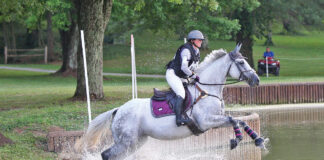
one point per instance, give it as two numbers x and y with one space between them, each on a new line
300 56
173 16
12 10
31 13
60 9
296 13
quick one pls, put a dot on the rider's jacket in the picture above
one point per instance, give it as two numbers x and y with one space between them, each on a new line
175 64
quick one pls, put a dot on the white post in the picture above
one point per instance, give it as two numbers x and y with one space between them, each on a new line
134 83
45 55
185 40
267 67
5 54
86 74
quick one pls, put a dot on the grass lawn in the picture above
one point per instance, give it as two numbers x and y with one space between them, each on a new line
32 103
299 55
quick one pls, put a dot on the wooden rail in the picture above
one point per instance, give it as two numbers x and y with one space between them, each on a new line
275 94
6 55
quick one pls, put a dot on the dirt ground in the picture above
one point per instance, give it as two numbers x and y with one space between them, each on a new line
4 140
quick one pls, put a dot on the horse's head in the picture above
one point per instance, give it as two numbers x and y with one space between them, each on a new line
240 69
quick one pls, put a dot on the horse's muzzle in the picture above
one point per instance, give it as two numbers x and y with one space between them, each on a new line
254 80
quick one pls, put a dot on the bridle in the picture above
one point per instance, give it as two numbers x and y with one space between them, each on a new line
242 77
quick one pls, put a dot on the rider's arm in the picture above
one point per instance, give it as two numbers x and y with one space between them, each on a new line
185 56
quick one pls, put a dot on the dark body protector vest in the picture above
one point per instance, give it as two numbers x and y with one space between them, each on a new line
175 64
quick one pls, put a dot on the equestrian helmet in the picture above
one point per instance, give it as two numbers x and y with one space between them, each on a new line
195 34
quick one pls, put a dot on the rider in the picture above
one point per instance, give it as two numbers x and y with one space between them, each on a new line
181 67
268 53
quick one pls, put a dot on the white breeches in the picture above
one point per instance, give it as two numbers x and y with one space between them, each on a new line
175 83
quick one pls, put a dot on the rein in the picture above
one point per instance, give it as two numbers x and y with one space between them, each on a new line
204 94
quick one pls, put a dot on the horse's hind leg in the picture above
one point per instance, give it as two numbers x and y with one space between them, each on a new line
120 150
258 140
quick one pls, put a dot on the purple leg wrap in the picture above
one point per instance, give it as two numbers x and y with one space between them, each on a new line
250 132
238 133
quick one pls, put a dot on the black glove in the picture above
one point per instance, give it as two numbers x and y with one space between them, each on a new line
197 79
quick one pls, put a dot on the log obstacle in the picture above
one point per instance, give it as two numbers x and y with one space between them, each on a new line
213 140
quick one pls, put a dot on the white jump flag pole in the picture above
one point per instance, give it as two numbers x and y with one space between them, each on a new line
134 83
86 74
267 70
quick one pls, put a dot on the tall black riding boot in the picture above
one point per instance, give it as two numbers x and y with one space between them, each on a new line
178 109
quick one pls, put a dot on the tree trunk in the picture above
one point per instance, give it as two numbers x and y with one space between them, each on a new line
50 38
9 35
31 38
269 41
245 35
93 16
247 47
39 35
70 43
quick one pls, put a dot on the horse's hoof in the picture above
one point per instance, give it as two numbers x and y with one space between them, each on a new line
259 142
233 143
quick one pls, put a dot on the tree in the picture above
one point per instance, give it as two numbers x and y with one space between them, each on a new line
247 21
296 13
65 20
93 17
173 16
10 13
292 14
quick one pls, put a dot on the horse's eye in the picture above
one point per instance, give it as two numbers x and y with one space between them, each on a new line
241 62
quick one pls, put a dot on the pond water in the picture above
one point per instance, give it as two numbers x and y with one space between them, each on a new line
294 133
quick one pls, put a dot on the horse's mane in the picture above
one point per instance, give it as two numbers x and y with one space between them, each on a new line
211 57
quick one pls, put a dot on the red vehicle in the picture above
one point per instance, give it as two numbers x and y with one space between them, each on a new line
273 66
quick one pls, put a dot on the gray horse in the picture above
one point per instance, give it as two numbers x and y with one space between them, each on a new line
132 123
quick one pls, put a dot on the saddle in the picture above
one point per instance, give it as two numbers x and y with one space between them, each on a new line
162 102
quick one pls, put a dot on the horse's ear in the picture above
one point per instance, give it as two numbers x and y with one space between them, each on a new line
237 48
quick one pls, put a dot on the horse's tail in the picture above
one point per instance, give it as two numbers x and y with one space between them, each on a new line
98 130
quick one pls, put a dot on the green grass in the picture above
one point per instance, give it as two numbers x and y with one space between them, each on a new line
299 56
34 102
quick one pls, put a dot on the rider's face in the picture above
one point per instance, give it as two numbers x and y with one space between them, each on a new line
197 42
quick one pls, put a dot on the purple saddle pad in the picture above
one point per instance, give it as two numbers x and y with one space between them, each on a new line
162 108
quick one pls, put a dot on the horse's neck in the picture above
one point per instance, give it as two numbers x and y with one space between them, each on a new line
215 73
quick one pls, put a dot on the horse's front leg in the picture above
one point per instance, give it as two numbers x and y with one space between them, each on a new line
259 142
217 121
238 133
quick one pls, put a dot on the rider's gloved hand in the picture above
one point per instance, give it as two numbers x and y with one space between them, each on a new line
197 79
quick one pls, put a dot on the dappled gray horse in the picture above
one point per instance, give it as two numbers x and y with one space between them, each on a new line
131 123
